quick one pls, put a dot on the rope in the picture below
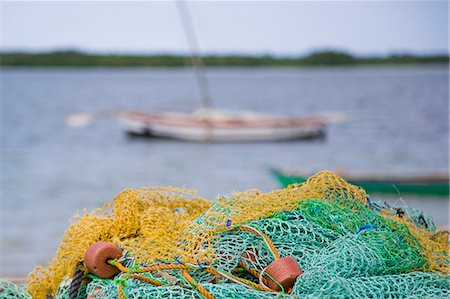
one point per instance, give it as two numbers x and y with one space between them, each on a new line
121 292
249 269
178 266
78 277
181 266
157 267
147 280
198 286
242 280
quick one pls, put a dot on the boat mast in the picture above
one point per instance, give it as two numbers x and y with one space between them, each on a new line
196 60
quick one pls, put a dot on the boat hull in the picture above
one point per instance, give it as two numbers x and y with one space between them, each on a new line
198 131
386 187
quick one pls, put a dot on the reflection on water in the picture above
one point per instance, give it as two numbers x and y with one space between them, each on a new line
49 171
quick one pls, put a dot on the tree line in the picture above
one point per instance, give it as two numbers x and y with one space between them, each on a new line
321 58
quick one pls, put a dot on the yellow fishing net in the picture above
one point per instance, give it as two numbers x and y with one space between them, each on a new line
167 223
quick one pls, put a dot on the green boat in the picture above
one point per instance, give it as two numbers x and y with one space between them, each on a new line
435 184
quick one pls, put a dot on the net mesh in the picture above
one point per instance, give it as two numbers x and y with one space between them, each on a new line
346 245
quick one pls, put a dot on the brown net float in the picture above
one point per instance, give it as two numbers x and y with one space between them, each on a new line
97 256
282 272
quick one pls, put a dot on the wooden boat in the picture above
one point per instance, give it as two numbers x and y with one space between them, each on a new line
211 125
220 126
434 184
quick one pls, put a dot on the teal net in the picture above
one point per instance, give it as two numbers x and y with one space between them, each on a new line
9 290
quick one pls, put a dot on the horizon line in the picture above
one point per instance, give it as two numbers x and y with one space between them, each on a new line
224 53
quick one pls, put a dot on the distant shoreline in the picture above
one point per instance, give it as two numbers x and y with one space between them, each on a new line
323 58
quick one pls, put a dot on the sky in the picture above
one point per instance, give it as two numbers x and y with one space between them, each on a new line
233 27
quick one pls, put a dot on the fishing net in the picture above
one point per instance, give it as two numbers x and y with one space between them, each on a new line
178 245
9 290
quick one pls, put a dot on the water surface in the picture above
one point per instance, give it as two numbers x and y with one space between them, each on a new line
50 171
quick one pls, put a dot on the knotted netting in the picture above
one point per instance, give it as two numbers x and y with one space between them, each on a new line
347 246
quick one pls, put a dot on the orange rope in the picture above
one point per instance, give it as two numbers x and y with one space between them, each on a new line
147 279
124 269
245 281
212 271
249 269
198 286
120 291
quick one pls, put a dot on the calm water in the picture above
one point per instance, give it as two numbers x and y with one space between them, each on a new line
50 171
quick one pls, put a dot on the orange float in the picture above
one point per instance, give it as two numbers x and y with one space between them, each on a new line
283 271
97 256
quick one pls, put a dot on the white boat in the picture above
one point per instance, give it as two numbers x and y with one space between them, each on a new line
208 124
213 125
